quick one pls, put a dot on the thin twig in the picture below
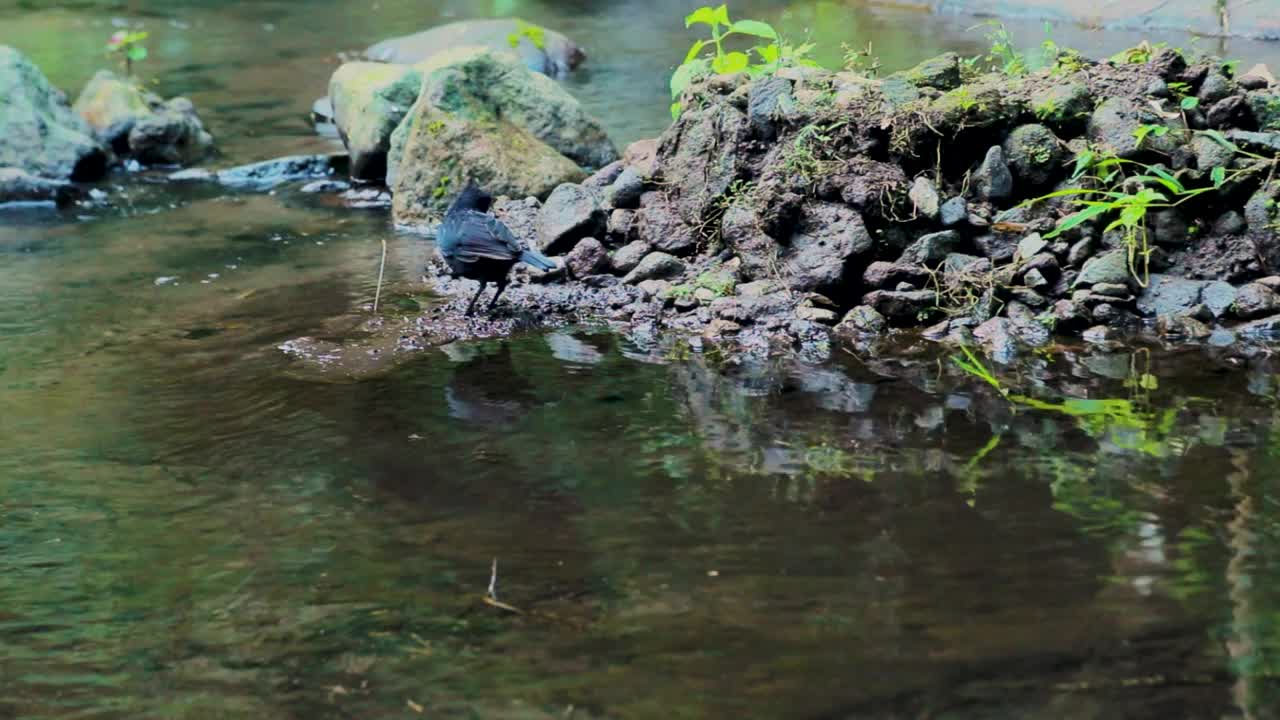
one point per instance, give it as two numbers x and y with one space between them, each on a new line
493 580
378 293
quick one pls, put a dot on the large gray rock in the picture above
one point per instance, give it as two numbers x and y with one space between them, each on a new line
485 118
698 155
769 102
541 50
655 266
1169 295
626 258
930 249
904 306
625 190
571 213
1255 300
828 237
1114 126
587 258
1108 268
39 133
942 73
369 102
659 225
1034 153
992 180
139 123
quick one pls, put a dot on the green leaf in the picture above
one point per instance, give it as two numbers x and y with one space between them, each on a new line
1219 176
1148 382
1083 161
1221 139
684 75
137 53
769 53
1189 103
704 15
722 15
1078 218
675 111
693 51
756 28
730 63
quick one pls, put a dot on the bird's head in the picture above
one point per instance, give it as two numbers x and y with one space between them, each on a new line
472 198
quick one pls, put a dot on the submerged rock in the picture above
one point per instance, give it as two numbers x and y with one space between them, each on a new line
269 174
39 133
17 186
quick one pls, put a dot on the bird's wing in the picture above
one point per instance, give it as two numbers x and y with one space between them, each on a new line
481 236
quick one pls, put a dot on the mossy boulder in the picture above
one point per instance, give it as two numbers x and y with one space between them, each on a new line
141 124
369 101
482 116
1063 106
539 49
1034 154
39 133
942 72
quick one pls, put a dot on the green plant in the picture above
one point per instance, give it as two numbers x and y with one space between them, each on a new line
536 34
720 283
1144 131
740 192
1068 62
1046 110
862 62
1139 54
1129 191
805 156
772 57
1003 54
128 46
442 187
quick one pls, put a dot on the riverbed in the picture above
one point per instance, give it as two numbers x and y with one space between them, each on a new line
194 526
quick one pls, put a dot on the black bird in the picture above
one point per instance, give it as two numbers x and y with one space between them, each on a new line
476 245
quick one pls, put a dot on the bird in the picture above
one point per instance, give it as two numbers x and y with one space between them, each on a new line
478 246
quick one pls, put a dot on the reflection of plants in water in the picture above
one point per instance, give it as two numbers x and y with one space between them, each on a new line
1128 423
972 474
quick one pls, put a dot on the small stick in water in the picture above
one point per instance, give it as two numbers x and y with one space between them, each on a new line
377 294
491 596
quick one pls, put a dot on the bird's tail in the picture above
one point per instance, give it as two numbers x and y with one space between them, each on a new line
537 259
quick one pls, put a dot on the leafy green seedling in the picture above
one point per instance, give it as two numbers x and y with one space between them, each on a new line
128 45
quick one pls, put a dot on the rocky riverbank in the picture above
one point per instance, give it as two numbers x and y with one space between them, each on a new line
1094 199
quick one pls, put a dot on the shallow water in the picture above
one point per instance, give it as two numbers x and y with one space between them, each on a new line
191 528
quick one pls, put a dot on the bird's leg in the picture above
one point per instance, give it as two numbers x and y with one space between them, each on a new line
502 285
471 306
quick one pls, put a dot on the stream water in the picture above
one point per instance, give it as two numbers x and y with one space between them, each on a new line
189 528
